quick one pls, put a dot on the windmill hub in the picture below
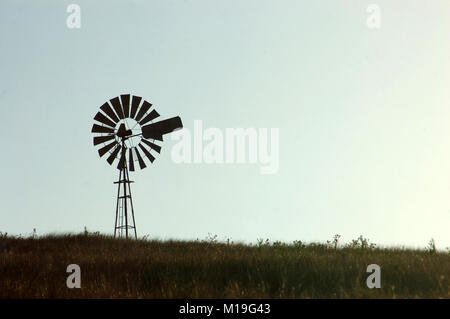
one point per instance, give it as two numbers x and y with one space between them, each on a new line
123 130
129 130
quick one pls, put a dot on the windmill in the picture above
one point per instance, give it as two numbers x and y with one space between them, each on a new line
125 128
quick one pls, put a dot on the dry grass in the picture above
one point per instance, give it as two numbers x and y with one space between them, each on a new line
111 268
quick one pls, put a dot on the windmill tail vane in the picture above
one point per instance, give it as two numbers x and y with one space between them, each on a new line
122 131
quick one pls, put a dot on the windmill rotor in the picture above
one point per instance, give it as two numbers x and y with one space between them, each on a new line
125 131
129 119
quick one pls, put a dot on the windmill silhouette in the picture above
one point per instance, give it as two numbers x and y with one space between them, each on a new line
123 130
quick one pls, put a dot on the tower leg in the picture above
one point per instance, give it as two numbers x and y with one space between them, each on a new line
131 204
117 222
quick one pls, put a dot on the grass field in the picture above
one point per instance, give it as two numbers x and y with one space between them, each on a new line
113 268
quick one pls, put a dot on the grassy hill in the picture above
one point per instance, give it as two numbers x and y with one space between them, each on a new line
36 268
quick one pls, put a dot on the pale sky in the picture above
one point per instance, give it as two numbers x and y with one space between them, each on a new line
363 116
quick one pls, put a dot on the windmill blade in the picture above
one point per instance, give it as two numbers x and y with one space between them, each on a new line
101 129
147 153
158 129
102 139
113 155
153 146
122 160
144 108
108 111
125 98
104 120
117 107
135 105
140 160
106 148
153 115
130 159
